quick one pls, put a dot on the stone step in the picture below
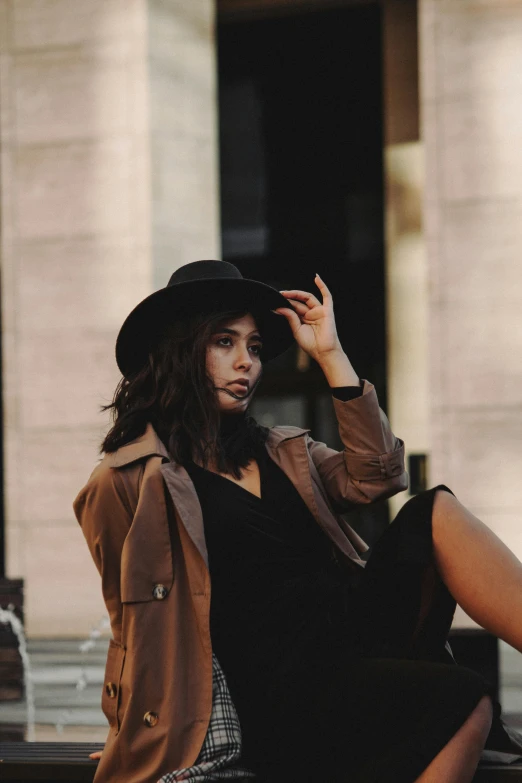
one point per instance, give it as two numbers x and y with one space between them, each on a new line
72 715
64 696
57 667
66 652
64 645
67 659
61 675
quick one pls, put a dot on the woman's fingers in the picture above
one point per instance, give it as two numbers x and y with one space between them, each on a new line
308 299
291 316
303 296
95 755
303 311
299 307
325 291
312 322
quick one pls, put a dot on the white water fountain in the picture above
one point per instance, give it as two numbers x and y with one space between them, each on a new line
8 616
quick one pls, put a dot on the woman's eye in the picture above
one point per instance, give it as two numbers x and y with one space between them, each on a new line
257 346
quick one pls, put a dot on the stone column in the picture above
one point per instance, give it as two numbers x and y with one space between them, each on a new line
406 264
108 183
470 65
183 138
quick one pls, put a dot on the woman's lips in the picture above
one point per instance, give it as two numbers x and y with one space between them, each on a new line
241 386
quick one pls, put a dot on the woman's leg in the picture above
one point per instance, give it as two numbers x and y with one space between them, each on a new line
479 570
458 760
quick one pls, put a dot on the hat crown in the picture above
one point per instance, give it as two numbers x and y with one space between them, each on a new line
205 270
201 286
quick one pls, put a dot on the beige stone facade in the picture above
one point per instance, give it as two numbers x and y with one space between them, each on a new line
105 189
454 281
406 262
471 61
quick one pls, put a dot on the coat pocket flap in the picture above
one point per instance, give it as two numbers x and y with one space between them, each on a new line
112 683
137 592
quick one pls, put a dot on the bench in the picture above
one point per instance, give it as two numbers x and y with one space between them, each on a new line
50 761
492 774
69 761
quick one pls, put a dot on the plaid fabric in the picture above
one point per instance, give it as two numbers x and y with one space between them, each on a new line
219 756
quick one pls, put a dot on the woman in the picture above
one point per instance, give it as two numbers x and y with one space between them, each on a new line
307 664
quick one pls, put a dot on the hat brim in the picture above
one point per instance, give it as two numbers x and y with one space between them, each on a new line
145 325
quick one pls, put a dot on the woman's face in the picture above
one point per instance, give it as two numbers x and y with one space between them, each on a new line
233 355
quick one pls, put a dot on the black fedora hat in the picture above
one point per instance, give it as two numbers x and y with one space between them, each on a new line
202 286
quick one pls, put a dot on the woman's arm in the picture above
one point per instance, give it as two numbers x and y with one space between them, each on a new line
103 513
371 465
337 369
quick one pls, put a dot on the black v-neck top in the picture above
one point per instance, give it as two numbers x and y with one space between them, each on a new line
275 586
273 577
276 589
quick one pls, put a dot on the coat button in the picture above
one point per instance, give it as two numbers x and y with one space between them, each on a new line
150 719
159 592
111 690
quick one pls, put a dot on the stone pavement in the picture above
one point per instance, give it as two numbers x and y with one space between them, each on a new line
68 683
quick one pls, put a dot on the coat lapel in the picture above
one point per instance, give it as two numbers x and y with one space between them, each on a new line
186 503
291 455
185 497
285 445
145 445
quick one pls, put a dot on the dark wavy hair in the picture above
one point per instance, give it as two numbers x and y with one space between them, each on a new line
174 392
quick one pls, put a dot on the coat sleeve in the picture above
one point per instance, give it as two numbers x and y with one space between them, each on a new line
104 514
371 465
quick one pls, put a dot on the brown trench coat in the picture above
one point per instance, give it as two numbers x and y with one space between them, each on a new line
143 524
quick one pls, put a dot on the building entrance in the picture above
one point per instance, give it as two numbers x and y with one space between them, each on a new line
301 135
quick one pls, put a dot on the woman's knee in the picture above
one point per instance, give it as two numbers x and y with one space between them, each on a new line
445 507
470 687
423 504
479 721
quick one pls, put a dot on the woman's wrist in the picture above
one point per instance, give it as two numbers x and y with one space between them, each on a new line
338 369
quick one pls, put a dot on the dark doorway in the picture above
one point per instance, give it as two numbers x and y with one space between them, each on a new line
301 128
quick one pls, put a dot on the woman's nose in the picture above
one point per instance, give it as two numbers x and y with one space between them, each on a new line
244 359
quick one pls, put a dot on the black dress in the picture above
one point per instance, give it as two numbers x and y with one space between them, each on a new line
326 678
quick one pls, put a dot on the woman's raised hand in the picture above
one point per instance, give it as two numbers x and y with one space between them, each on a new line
312 323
